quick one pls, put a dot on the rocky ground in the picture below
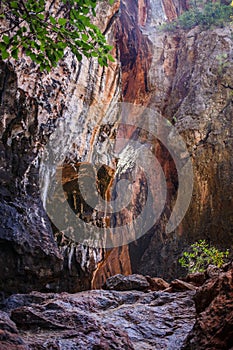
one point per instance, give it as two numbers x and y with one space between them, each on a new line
133 312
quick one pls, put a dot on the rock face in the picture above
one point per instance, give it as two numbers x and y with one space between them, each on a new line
214 304
102 320
194 92
184 76
32 104
129 319
187 77
9 337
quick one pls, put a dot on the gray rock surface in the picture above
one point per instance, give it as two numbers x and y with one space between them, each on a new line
102 320
9 335
131 282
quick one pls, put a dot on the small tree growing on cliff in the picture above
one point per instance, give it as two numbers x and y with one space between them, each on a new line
201 255
206 14
43 32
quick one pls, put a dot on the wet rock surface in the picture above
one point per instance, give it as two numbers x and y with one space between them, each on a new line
31 106
102 319
187 77
187 82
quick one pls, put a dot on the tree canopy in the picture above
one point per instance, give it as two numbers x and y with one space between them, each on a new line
43 32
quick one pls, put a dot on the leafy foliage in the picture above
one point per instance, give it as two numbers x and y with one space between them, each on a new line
207 15
43 32
201 255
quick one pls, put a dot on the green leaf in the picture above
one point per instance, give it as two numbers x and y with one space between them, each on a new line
3 46
79 57
62 21
42 48
14 4
100 60
109 47
14 53
52 20
31 54
59 54
94 54
85 37
6 39
61 45
40 16
111 58
5 55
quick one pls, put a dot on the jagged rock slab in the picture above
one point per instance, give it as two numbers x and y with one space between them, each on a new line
179 286
214 304
9 337
136 282
157 283
131 282
102 319
197 278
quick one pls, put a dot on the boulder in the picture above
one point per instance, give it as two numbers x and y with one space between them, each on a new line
197 278
228 266
157 283
131 282
180 286
214 325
